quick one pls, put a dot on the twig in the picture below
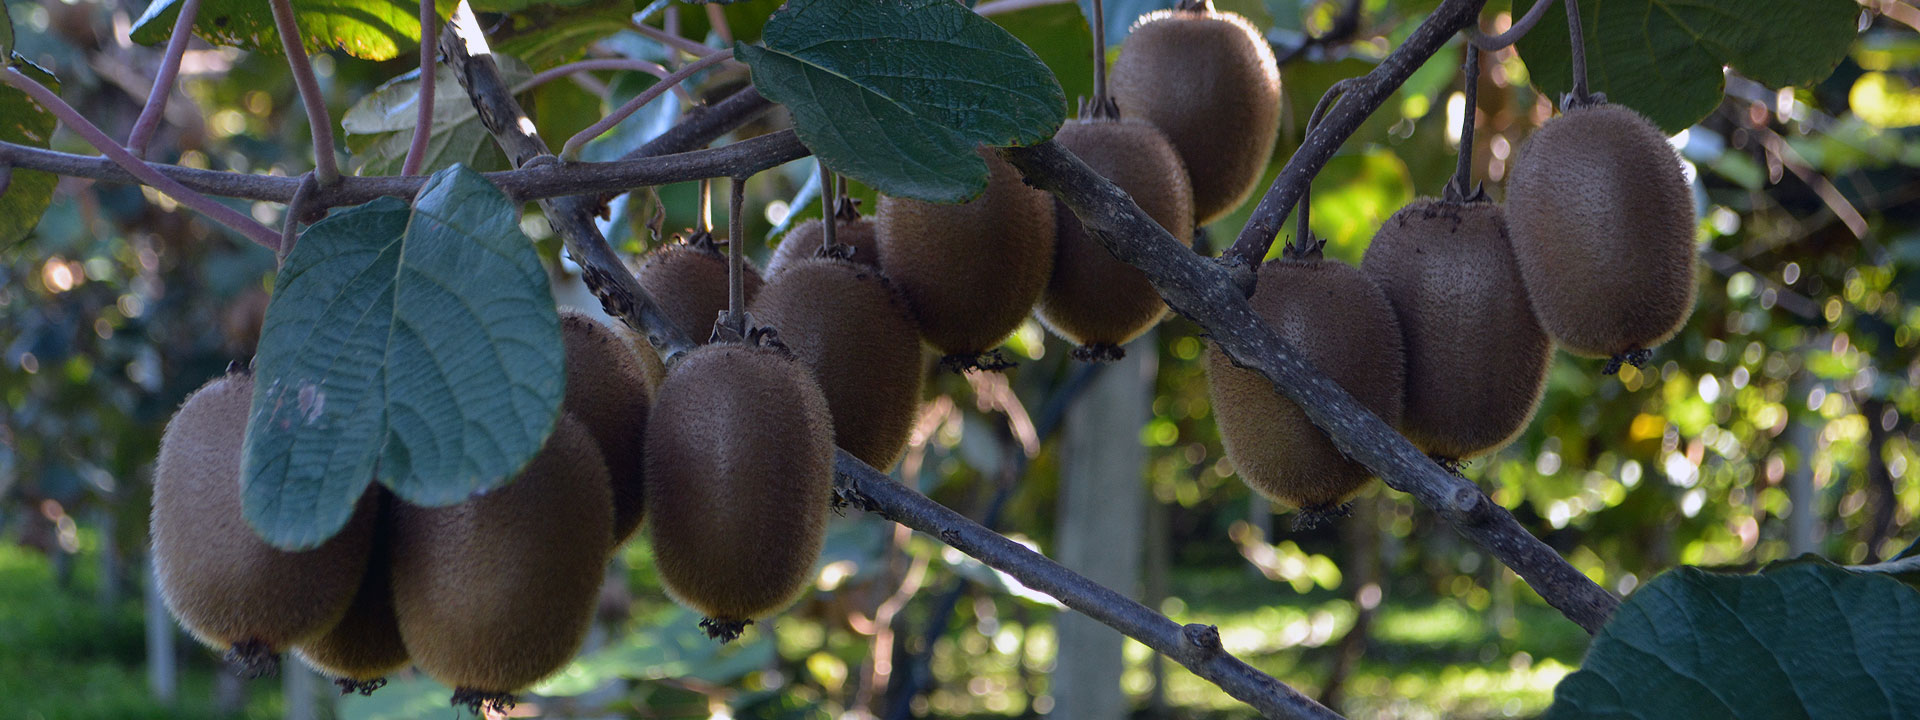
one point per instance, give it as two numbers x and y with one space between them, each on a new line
671 40
703 125
1209 294
1001 7
571 150
1520 28
163 80
98 138
650 68
829 235
524 185
423 123
1579 97
1368 92
322 126
572 217
1461 186
1891 567
736 264
1345 26
717 19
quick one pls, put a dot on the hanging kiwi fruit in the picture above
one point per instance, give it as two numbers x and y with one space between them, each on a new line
972 271
689 278
1476 357
361 650
607 392
804 240
846 322
497 592
1094 299
226 585
1208 80
739 474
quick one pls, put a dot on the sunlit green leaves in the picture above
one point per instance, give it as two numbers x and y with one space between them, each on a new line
1664 58
370 29
898 94
379 128
419 347
25 193
1802 639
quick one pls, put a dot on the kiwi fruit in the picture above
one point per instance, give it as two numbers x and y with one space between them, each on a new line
226 585
739 479
607 392
1094 299
1602 225
805 239
497 592
365 646
1476 357
689 281
1341 323
971 272
845 321
1209 81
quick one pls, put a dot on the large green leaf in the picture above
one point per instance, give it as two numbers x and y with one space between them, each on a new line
419 347
379 128
371 29
22 121
1665 58
1801 639
547 34
897 94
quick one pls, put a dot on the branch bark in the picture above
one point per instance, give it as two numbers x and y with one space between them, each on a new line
1208 294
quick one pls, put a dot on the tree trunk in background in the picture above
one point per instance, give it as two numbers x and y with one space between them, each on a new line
1159 567
162 673
1360 541
1803 524
1881 498
1102 508
107 593
297 684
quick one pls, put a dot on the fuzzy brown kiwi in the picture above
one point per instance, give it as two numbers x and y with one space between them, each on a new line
1602 224
1094 299
228 587
803 242
739 478
1476 357
365 646
1209 81
1341 323
848 324
972 271
689 281
497 592
607 392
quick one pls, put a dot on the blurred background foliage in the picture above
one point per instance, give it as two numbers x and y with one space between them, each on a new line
1780 421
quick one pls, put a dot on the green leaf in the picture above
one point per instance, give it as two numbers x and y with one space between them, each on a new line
545 35
1800 639
1060 36
379 128
417 347
370 29
1120 15
6 35
1664 58
22 121
897 94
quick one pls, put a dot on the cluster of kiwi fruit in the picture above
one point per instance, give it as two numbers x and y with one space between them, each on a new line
1447 328
490 595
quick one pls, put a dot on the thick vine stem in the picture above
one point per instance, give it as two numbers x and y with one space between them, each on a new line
1203 291
324 163
1197 647
1354 107
571 216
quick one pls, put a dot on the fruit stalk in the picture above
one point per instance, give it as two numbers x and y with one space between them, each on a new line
1100 61
1365 96
423 120
1459 188
736 279
1206 292
1303 245
1579 97
1519 29
163 80
316 105
827 219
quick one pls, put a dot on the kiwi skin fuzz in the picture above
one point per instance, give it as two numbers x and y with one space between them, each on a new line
1338 321
1209 81
365 646
1602 224
804 241
847 323
607 392
1476 357
739 479
498 592
226 585
1094 298
689 282
972 271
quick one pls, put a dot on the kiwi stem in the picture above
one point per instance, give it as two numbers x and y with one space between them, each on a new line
1303 246
1100 101
163 81
1519 29
704 223
318 123
1579 97
827 207
736 237
1457 190
423 115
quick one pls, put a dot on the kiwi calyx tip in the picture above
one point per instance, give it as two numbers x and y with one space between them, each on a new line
252 659
1636 357
480 702
725 631
364 688
1315 516
1098 353
990 361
